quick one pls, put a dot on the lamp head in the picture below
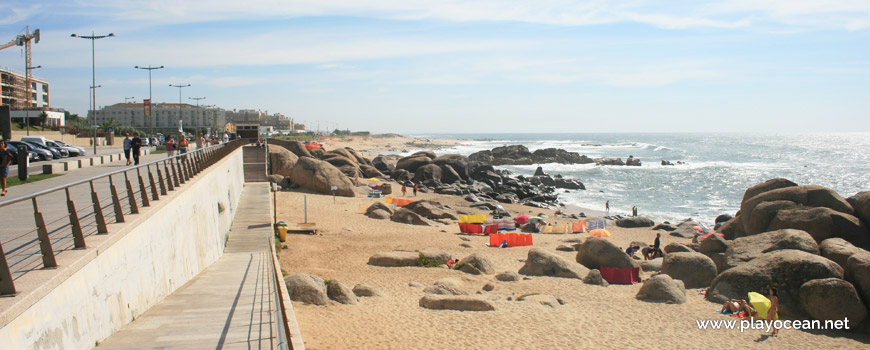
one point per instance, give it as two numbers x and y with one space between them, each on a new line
111 34
73 35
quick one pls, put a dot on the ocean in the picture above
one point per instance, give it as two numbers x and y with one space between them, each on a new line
717 171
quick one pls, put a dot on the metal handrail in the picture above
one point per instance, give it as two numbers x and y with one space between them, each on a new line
94 178
124 200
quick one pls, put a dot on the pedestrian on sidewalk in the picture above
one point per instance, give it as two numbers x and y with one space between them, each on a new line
5 161
170 146
127 146
135 146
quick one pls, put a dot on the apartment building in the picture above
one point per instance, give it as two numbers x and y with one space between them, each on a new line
164 117
13 90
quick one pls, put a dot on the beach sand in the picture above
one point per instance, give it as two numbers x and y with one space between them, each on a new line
592 317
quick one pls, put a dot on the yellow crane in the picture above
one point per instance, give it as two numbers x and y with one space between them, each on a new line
24 40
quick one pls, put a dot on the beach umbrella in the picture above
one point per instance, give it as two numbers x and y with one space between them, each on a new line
599 232
761 305
522 219
374 180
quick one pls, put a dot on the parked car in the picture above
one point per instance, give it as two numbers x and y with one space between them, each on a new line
35 154
81 150
52 154
44 143
73 151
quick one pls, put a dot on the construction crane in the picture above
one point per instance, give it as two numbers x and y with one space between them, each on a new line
24 40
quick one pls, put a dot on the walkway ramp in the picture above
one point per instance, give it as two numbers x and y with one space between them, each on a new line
233 304
254 159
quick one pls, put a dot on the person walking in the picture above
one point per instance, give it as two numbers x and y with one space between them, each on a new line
607 208
199 141
415 190
182 144
773 310
135 146
170 146
5 161
403 190
634 211
127 146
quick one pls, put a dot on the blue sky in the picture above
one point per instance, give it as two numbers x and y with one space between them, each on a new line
420 66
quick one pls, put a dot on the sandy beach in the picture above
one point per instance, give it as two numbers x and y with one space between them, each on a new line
591 317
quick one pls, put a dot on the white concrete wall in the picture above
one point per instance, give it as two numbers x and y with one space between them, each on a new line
159 252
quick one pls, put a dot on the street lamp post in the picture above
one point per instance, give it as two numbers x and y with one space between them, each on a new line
202 115
93 38
179 86
149 69
127 107
27 110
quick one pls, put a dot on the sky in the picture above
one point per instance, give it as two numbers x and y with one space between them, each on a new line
475 66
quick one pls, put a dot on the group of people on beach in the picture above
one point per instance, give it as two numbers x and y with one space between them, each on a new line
405 190
649 252
735 306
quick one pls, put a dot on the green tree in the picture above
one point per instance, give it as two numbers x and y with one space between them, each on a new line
42 118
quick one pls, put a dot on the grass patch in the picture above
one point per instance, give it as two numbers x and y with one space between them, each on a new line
423 261
160 151
277 245
521 297
284 272
14 181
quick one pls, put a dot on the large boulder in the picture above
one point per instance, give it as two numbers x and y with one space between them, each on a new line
654 265
341 293
839 250
675 247
430 210
427 173
768 185
475 264
808 196
385 164
508 276
858 272
597 252
365 290
379 214
298 148
460 303
306 288
745 249
458 163
369 171
832 299
405 216
412 163
733 228
787 269
320 176
394 259
696 270
448 174
686 229
862 206
401 175
713 244
380 206
823 223
446 286
281 161
635 221
541 262
662 288
425 153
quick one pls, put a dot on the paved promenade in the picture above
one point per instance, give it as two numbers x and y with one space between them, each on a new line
230 305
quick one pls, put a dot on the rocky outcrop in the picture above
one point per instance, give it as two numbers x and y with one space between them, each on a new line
862 206
541 262
597 252
457 163
341 293
696 270
394 259
430 210
858 272
787 269
405 216
412 163
713 244
807 196
654 265
508 276
460 303
675 247
745 249
635 221
365 290
832 299
839 250
594 277
281 161
306 288
297 147
475 264
429 174
664 289
822 223
385 163
320 176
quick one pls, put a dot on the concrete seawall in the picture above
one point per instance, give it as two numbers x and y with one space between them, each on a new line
97 291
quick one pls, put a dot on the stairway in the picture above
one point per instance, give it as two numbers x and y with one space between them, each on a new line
254 160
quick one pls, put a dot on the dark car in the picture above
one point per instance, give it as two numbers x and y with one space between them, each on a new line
34 154
54 153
